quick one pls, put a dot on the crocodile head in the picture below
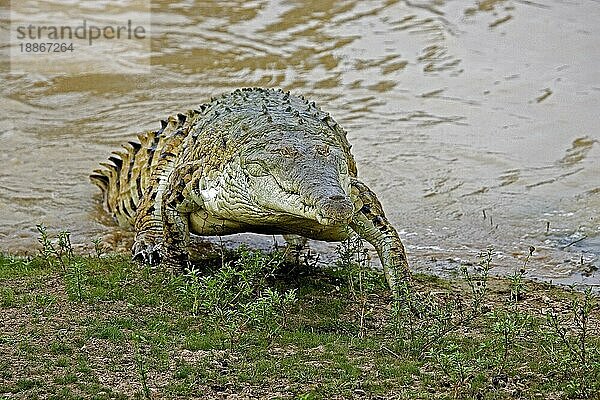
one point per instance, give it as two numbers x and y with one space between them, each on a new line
300 178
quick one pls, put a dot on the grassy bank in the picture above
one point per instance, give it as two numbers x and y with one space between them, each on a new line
251 325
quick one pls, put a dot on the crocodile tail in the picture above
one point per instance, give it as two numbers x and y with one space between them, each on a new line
120 181
130 173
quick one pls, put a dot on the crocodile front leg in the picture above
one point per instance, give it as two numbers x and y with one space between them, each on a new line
370 223
148 227
177 205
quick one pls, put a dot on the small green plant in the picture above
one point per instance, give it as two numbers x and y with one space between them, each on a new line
141 368
269 311
98 247
575 339
75 276
517 283
192 289
62 251
421 321
478 280
355 262
238 293
7 297
509 327
455 365
572 332
438 315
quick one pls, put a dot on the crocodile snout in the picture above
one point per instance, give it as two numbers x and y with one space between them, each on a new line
335 210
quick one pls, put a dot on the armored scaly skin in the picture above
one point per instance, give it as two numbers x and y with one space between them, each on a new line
255 160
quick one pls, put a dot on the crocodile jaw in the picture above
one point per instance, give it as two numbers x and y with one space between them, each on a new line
330 208
233 195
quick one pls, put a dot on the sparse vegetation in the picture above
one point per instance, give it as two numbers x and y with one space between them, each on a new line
99 326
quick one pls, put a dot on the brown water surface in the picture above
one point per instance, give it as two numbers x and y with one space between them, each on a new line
476 122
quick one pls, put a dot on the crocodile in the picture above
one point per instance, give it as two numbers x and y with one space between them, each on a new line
253 160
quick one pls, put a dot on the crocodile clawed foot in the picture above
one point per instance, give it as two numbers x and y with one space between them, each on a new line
146 253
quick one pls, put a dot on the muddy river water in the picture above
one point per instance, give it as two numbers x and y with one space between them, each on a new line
476 122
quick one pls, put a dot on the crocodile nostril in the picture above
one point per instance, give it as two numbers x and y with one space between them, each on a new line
337 198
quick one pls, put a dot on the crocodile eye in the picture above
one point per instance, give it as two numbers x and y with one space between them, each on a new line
289 151
255 169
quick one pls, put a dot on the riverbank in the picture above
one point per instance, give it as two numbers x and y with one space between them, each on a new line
252 325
